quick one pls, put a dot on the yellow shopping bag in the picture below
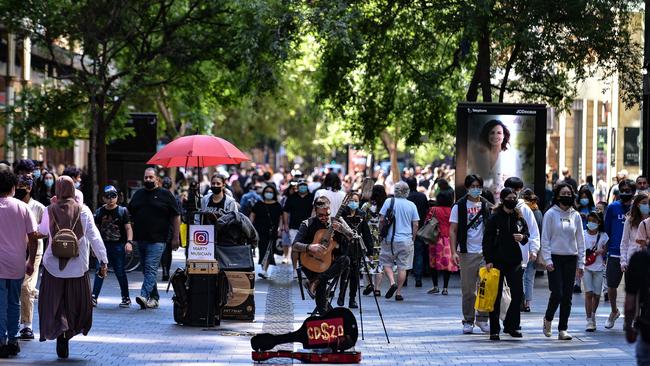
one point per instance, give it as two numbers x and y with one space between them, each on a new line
184 235
488 288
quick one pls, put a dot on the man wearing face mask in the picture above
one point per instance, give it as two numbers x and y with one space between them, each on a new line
614 224
74 173
642 184
28 289
153 210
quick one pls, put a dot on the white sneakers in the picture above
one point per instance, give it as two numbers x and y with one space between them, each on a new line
564 336
468 328
612 319
485 327
591 324
547 328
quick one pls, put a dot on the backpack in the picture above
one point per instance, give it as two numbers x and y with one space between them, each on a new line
389 220
65 244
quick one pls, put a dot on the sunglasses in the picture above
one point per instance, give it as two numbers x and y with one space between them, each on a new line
110 196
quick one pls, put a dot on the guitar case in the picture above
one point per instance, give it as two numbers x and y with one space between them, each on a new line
335 330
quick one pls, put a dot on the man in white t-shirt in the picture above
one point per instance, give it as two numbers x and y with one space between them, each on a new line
466 238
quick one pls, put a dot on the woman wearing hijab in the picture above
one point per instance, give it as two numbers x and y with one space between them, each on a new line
65 303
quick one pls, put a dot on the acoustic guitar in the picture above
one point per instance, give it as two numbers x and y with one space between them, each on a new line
325 237
337 330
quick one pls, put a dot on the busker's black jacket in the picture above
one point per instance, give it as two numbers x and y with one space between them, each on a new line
499 246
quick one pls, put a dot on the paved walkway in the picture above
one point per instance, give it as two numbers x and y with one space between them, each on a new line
424 330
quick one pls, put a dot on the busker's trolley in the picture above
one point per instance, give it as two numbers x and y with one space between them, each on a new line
219 279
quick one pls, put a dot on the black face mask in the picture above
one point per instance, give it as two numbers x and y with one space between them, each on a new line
20 193
626 197
149 185
566 200
216 190
510 204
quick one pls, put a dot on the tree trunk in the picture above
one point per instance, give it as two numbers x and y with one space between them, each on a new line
484 63
102 160
509 64
390 144
95 116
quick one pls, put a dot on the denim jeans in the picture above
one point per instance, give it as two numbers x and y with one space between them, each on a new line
116 256
9 309
529 281
150 254
642 352
420 258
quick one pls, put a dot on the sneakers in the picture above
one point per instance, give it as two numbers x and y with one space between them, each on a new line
368 290
612 319
494 337
468 328
263 275
591 325
126 302
564 336
141 301
26 334
353 304
152 304
391 291
94 301
547 328
485 327
434 290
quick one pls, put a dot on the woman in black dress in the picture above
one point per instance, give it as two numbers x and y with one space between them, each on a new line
266 218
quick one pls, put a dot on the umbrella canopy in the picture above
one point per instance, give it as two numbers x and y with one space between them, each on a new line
198 151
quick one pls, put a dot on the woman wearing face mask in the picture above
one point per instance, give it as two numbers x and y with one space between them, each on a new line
639 211
46 188
505 232
563 250
356 219
218 202
371 209
267 219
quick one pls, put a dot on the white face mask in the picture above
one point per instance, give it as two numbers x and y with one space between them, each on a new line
373 208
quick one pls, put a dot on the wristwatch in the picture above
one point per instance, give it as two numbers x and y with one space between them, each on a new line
129 241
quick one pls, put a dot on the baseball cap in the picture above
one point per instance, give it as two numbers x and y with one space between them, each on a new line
110 189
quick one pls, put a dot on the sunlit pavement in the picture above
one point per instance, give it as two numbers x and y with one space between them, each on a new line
423 329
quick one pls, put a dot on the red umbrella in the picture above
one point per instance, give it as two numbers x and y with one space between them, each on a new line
198 151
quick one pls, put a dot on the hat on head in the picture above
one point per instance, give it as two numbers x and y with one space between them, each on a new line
110 189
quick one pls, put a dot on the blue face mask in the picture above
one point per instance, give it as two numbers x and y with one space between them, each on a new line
592 226
36 174
268 196
353 205
475 192
49 183
584 201
303 189
77 185
644 208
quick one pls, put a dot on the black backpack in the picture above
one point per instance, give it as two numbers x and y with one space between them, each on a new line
389 220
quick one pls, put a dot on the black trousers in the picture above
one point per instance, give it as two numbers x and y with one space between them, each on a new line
351 278
560 282
339 265
515 276
166 259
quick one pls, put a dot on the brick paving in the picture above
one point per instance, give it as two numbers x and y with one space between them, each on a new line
424 330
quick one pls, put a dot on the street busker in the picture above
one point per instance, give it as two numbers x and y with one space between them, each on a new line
563 250
505 231
596 243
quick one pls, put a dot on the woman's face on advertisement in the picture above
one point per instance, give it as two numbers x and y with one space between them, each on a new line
496 136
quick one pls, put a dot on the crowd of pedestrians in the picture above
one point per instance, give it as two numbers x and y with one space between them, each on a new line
581 243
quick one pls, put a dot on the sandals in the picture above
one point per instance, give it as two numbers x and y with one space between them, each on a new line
391 291
445 292
399 298
377 293
434 290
